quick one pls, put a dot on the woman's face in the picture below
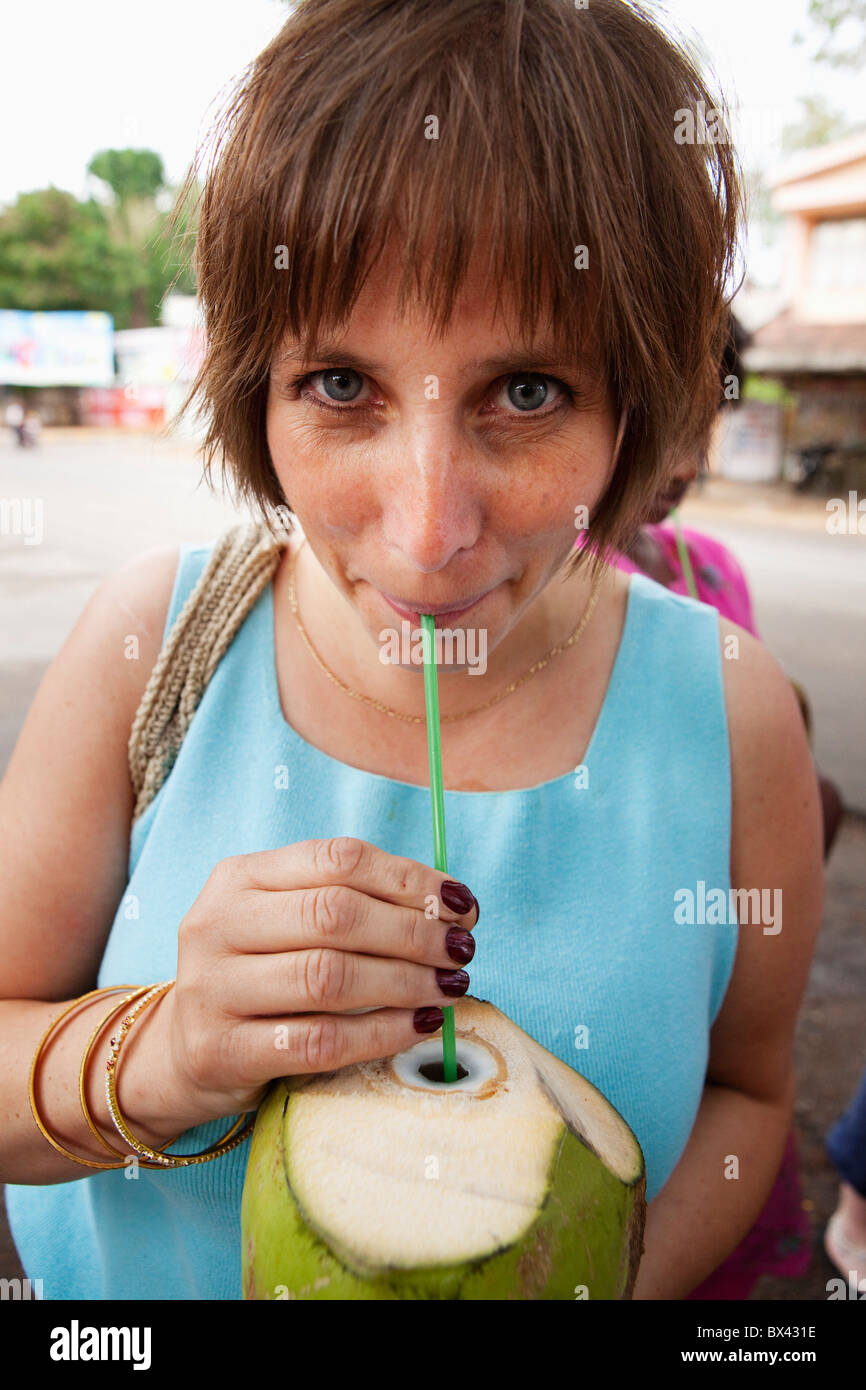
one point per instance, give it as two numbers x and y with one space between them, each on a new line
681 477
438 473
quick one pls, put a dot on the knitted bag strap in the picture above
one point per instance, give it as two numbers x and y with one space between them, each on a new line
243 561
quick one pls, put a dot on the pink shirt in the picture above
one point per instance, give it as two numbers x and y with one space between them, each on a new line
719 580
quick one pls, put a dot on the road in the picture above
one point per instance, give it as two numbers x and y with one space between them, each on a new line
809 593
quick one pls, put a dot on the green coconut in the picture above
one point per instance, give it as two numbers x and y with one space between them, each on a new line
380 1181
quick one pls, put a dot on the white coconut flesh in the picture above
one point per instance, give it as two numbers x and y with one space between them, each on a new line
393 1169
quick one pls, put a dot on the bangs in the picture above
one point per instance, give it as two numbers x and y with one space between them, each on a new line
530 138
460 158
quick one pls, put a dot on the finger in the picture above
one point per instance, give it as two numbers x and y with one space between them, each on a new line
333 981
347 920
262 1049
360 865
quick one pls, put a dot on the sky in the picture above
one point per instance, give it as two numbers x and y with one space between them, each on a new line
82 77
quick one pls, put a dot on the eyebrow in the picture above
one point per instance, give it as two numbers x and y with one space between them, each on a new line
522 356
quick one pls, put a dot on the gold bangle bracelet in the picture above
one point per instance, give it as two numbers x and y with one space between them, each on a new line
228 1141
34 1069
82 1078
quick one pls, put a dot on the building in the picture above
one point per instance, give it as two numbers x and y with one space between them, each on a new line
816 345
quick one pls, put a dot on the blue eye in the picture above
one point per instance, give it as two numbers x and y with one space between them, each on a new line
340 383
528 391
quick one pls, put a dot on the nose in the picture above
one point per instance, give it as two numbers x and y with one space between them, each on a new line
431 501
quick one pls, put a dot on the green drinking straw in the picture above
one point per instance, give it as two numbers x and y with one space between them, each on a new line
683 553
434 749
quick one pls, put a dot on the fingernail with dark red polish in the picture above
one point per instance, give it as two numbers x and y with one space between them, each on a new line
457 896
427 1020
460 944
452 982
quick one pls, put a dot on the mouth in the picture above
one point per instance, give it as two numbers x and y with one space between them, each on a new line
441 615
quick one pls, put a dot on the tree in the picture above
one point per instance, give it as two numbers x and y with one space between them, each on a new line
57 252
843 27
135 178
129 173
818 125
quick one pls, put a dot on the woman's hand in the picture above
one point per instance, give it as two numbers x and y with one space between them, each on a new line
278 949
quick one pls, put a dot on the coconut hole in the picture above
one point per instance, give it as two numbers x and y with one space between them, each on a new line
421 1067
435 1071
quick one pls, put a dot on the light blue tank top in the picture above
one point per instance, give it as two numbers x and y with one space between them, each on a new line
577 938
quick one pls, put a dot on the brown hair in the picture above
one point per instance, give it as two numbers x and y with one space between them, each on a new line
558 126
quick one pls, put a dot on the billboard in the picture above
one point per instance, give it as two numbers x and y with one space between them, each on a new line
56 348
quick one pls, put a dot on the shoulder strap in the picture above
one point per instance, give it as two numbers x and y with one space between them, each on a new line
242 563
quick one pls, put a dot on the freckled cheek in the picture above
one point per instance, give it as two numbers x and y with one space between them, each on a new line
535 495
542 495
311 478
323 502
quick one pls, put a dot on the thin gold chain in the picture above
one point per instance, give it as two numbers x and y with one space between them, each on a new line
445 718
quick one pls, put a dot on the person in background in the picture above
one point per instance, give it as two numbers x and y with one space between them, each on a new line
706 571
691 563
15 420
845 1234
31 428
686 561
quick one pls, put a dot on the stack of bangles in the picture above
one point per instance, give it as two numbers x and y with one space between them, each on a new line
139 998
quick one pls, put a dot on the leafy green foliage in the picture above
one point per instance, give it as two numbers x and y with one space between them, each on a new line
58 252
844 31
818 125
129 173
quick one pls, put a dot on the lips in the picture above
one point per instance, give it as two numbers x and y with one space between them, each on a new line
440 615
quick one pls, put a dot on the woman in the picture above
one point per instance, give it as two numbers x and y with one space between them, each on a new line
712 575
446 318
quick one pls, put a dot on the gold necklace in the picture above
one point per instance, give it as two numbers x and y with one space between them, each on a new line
445 718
